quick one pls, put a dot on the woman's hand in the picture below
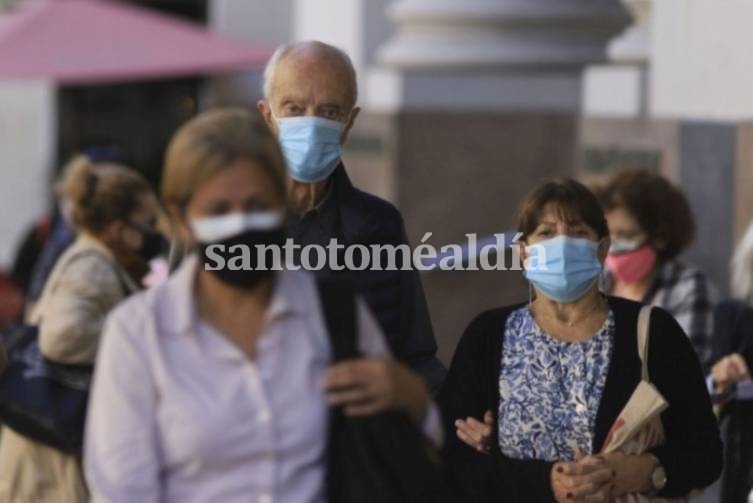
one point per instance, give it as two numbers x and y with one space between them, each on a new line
728 371
367 386
474 433
632 473
590 479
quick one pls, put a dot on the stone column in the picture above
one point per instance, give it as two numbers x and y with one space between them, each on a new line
471 104
634 44
617 129
621 88
534 49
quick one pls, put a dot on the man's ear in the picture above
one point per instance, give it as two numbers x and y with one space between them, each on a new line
352 120
265 109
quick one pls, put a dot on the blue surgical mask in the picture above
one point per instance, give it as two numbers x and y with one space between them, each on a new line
572 267
311 146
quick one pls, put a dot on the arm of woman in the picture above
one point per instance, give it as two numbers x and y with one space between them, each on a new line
73 316
692 453
468 391
120 452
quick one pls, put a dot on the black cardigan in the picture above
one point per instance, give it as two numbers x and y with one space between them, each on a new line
692 455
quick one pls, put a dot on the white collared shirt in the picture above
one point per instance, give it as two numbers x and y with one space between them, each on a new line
179 414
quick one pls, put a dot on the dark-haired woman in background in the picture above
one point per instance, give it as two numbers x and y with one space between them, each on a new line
651 224
534 389
115 212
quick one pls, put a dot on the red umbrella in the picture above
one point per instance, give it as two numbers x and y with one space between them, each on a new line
92 41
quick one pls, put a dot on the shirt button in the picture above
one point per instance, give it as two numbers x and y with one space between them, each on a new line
265 498
580 408
264 416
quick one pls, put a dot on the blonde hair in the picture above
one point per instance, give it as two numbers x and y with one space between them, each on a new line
101 193
211 142
741 268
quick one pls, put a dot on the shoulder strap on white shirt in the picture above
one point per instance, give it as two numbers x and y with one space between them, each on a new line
644 317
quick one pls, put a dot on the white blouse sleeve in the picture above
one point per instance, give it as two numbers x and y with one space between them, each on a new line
120 451
372 343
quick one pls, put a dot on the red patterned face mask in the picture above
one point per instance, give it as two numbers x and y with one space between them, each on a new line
632 266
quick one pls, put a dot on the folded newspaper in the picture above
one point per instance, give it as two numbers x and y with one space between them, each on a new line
638 427
637 430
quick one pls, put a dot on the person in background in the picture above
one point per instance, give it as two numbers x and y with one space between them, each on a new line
651 224
31 248
58 230
733 359
733 341
11 302
215 386
534 389
310 95
114 211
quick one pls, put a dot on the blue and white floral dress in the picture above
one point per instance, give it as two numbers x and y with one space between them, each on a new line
550 390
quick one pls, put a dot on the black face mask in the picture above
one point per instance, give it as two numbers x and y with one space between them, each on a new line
245 279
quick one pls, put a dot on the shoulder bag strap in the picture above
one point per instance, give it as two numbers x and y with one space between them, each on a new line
644 318
339 309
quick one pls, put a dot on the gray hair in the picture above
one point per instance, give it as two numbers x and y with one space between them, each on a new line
285 49
741 268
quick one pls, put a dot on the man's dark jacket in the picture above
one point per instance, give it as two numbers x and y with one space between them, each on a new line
395 297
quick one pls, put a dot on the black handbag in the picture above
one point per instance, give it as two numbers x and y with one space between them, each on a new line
39 399
43 400
383 458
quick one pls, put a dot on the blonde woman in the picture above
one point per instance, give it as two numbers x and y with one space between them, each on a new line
114 211
215 386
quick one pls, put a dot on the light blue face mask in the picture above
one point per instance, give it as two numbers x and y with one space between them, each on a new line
572 267
311 146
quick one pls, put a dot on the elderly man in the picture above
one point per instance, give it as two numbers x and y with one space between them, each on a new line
310 94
